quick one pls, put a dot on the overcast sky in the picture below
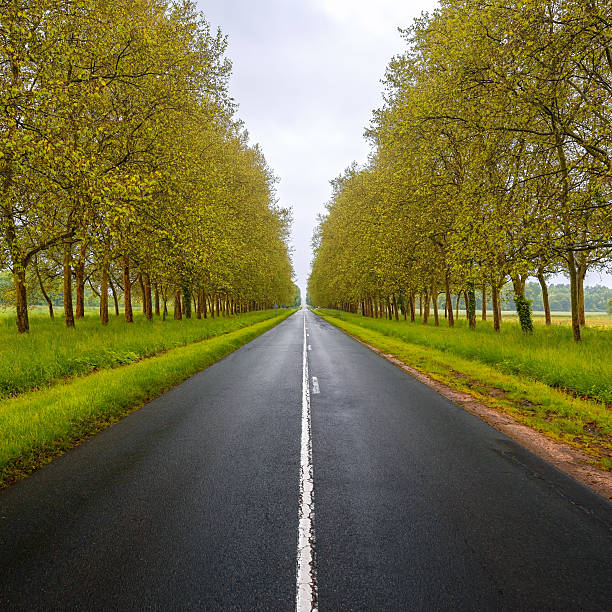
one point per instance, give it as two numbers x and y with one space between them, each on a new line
306 76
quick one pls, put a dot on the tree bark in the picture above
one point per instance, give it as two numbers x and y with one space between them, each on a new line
42 290
127 291
79 281
187 300
148 299
496 307
426 308
434 298
449 302
573 274
157 305
178 313
545 299
68 310
104 289
115 299
581 270
484 301
470 305
23 320
199 305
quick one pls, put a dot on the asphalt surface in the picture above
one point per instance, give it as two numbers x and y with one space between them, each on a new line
191 503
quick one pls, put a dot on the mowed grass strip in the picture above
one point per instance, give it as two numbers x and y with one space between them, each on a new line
583 423
549 355
51 352
38 426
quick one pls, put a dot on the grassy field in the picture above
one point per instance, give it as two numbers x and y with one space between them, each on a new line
39 425
544 380
51 352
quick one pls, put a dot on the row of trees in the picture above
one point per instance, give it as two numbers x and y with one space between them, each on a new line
492 162
122 165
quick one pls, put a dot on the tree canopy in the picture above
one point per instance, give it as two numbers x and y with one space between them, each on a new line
491 162
123 166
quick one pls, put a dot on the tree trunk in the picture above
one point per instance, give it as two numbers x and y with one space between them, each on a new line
434 301
115 300
573 274
178 313
23 320
449 302
148 301
204 308
523 307
104 289
412 308
199 306
457 309
187 300
79 281
127 291
484 301
42 290
580 275
157 309
426 308
68 311
496 307
545 299
470 305
142 292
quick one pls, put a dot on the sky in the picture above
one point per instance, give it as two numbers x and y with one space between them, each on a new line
307 76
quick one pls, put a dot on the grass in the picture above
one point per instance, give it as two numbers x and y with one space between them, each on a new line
465 360
549 355
39 425
51 352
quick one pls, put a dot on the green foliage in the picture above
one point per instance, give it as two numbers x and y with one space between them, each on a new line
122 159
523 308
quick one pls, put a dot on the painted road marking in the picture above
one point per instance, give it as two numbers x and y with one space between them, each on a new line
309 347
315 385
306 585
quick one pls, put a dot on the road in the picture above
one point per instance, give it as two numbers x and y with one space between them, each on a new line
195 502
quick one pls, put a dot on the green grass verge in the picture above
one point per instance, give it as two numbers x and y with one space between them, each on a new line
51 352
38 426
549 355
583 423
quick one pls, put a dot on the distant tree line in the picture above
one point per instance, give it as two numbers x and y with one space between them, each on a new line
123 169
491 164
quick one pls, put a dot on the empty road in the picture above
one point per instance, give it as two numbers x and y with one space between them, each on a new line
303 467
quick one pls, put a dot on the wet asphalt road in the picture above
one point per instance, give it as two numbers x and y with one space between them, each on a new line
191 503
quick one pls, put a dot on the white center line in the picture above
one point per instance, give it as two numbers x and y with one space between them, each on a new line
306 585
315 384
309 347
